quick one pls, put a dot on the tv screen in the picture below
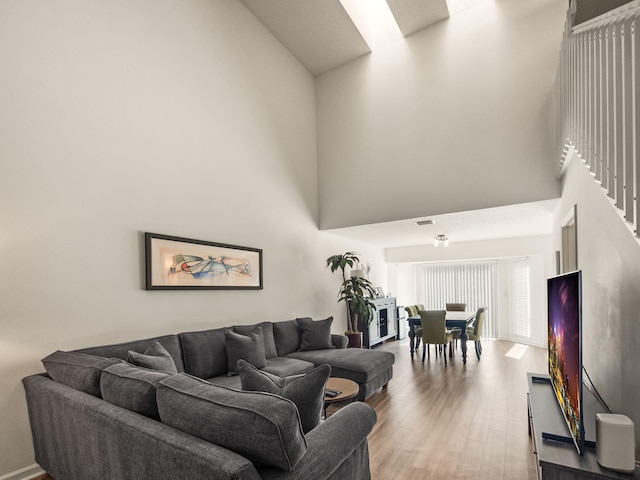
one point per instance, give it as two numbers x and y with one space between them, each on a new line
564 294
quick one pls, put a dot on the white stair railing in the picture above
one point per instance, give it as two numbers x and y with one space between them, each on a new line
597 103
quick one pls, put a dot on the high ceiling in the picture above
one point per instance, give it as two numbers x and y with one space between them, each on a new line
320 33
322 36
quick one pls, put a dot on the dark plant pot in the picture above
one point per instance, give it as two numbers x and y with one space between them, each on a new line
355 339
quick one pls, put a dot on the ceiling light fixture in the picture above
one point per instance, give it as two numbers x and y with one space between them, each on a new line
440 239
374 21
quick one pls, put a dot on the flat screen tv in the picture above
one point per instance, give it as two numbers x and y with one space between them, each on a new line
564 296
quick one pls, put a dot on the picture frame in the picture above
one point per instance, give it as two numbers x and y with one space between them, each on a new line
177 263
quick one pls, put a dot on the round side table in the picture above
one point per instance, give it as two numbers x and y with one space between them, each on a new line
348 390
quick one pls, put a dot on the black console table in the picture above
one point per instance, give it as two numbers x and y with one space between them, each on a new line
556 460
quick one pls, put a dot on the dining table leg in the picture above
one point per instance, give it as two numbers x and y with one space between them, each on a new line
463 344
412 337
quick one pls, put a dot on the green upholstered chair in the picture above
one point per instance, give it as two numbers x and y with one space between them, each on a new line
412 311
456 307
474 331
433 330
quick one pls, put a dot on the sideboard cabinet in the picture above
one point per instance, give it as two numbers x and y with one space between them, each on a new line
383 325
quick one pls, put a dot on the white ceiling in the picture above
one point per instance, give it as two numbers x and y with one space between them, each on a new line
321 35
521 220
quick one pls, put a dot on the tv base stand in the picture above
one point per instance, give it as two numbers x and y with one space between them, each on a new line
558 460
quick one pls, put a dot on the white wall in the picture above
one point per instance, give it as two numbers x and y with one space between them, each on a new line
538 249
609 257
183 118
456 118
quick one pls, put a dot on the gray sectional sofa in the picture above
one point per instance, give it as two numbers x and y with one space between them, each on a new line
193 420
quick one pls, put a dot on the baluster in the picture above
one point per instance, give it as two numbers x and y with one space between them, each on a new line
618 114
627 122
611 154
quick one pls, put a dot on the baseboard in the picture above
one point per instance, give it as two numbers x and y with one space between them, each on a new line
26 473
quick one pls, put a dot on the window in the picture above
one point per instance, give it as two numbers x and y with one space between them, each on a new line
520 307
473 284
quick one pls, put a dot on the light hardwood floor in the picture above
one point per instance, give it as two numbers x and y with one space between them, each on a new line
455 421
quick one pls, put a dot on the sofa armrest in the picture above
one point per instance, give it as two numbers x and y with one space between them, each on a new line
337 448
339 341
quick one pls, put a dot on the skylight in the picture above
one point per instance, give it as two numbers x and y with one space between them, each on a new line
374 20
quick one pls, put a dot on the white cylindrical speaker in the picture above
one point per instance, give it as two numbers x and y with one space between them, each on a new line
615 442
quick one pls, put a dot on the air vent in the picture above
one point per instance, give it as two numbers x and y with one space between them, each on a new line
425 222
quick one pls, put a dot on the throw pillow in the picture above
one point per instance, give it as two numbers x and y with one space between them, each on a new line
315 335
133 388
78 370
287 337
156 357
262 427
306 391
248 347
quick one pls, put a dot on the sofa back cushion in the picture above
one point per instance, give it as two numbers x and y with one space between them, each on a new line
121 350
205 353
262 427
267 333
133 388
78 370
287 337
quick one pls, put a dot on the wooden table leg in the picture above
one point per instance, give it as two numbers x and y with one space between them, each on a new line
463 343
412 337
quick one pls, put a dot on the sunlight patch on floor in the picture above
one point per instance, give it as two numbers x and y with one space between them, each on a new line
517 351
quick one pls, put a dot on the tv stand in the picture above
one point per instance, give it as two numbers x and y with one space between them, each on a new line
556 459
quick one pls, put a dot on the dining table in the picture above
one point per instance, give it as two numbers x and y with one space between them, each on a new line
453 319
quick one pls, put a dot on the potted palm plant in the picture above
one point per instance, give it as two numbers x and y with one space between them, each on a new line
357 294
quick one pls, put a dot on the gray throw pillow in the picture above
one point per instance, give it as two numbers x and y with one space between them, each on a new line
78 370
262 427
315 334
306 391
156 357
133 388
248 347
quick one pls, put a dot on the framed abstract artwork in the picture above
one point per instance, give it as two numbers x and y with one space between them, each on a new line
184 263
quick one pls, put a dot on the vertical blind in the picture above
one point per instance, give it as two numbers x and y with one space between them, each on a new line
473 284
520 307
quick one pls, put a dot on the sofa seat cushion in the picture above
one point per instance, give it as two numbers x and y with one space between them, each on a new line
285 366
306 390
133 388
262 427
355 364
78 370
226 381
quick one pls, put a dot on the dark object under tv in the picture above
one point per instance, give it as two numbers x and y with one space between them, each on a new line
564 303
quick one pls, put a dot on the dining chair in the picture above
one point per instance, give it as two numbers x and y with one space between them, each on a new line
474 331
412 311
456 307
433 330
